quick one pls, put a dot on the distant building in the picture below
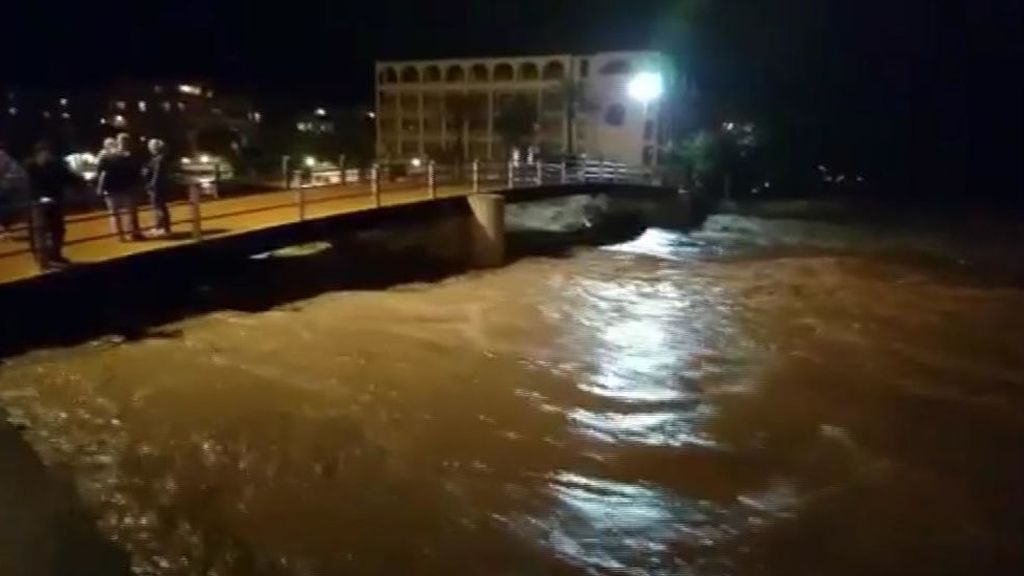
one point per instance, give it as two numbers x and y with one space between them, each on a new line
448 108
189 116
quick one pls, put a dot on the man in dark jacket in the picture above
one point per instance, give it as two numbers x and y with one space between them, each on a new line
48 179
120 181
157 176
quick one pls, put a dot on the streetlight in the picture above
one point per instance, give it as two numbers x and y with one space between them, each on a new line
646 87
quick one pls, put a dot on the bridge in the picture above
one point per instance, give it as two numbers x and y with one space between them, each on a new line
203 219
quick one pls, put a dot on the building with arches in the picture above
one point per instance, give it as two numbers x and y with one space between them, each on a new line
446 109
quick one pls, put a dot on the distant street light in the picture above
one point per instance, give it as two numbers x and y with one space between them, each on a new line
320 112
310 161
646 87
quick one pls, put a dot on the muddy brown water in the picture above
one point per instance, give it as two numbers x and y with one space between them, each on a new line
758 397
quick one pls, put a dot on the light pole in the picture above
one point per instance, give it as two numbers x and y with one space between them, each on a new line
646 87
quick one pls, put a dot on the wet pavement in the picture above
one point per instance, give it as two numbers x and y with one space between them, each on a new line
758 397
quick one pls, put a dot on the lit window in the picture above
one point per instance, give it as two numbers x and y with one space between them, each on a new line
190 89
46 114
158 89
181 106
166 106
12 111
142 105
63 101
119 121
65 115
120 104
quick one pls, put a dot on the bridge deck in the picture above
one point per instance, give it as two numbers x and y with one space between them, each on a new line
89 239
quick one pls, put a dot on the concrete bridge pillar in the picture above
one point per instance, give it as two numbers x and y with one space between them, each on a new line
487 229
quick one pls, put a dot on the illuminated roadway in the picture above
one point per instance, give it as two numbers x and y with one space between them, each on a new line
89 239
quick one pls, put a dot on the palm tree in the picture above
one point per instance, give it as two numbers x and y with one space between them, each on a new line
516 122
576 102
457 110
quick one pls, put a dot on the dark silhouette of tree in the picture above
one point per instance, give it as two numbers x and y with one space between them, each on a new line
516 122
457 112
575 103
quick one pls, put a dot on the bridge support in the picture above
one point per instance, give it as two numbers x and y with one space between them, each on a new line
487 229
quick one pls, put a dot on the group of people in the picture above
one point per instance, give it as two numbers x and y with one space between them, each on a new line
45 179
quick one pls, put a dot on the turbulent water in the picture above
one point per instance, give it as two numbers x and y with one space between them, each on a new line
757 397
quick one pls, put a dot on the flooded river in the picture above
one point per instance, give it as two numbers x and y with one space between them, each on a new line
756 397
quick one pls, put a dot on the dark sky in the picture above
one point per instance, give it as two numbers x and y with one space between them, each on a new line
307 46
933 79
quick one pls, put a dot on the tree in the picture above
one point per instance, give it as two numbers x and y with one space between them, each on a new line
457 110
516 122
575 102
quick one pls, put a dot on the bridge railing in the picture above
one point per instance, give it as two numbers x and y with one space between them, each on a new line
311 190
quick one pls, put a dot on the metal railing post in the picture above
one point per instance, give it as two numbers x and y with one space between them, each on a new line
300 201
216 179
563 177
432 179
511 175
197 217
341 168
375 183
476 176
286 171
540 173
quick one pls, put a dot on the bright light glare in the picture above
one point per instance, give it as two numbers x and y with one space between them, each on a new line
320 112
646 87
310 161
371 115
186 160
417 162
190 89
205 159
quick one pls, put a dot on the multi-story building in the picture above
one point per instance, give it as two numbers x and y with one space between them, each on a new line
189 116
447 109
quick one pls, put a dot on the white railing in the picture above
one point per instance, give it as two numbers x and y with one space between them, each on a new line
317 184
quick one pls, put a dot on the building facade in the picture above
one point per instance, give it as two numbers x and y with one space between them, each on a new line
189 116
449 109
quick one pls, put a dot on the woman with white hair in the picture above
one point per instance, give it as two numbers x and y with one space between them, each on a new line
156 175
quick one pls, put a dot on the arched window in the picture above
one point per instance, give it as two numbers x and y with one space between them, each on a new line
478 73
389 76
504 72
432 74
455 73
615 115
410 74
528 71
616 67
554 71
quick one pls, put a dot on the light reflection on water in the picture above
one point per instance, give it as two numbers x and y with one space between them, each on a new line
631 410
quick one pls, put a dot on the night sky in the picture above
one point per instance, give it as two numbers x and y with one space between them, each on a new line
930 80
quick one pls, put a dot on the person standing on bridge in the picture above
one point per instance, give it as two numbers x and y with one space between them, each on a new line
13 183
48 178
157 177
119 181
